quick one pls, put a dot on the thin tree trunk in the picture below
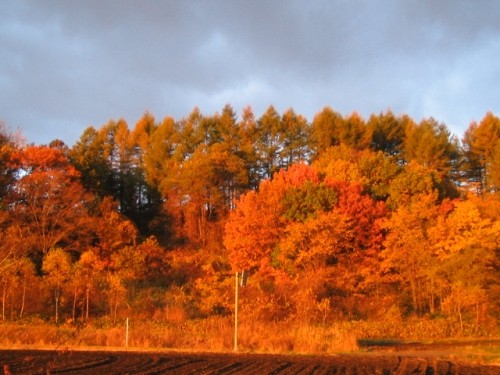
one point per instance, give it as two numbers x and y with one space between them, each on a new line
115 308
4 294
477 316
56 296
11 305
459 308
432 305
414 295
75 295
23 299
87 302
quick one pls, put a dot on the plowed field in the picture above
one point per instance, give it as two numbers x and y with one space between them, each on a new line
112 362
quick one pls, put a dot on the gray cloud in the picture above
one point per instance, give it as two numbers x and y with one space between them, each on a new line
69 64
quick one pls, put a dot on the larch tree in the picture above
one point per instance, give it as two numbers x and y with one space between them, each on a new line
247 128
90 156
270 142
355 133
481 145
296 140
387 132
431 145
145 196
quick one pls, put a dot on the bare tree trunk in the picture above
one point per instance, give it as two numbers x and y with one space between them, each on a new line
73 312
11 305
56 297
87 302
477 316
115 309
4 295
432 303
200 225
23 300
414 294
459 308
432 307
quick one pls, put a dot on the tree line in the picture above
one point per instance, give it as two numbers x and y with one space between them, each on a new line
337 218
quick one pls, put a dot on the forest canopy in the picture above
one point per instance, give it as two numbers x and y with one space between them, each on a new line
336 218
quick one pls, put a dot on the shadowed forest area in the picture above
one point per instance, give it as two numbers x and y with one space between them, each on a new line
382 227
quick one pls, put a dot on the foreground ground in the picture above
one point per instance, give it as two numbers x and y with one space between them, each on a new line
131 362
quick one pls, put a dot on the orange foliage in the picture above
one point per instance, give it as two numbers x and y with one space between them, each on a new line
357 234
254 227
43 159
286 245
49 201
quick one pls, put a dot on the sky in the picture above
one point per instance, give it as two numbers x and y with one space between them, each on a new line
67 65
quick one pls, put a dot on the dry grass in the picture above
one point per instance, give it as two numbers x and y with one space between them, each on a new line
288 338
213 334
216 334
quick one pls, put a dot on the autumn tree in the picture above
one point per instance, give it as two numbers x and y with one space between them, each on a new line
90 156
411 183
387 132
442 254
49 201
135 197
6 282
481 148
163 155
431 145
408 257
324 130
340 241
161 152
202 172
374 171
204 189
252 229
248 130
329 129
57 268
111 161
12 241
269 145
299 226
296 140
466 242
86 276
25 276
112 231
14 279
355 133
327 217
9 232
145 196
7 169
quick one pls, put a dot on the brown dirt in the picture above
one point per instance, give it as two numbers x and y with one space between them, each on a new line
129 362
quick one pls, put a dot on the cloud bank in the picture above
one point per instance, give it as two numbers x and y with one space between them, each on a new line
67 65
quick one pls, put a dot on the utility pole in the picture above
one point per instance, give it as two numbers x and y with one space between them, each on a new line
236 313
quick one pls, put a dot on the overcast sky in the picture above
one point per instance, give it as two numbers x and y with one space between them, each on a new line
66 65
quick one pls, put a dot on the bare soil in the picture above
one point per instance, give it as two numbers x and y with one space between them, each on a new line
379 362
